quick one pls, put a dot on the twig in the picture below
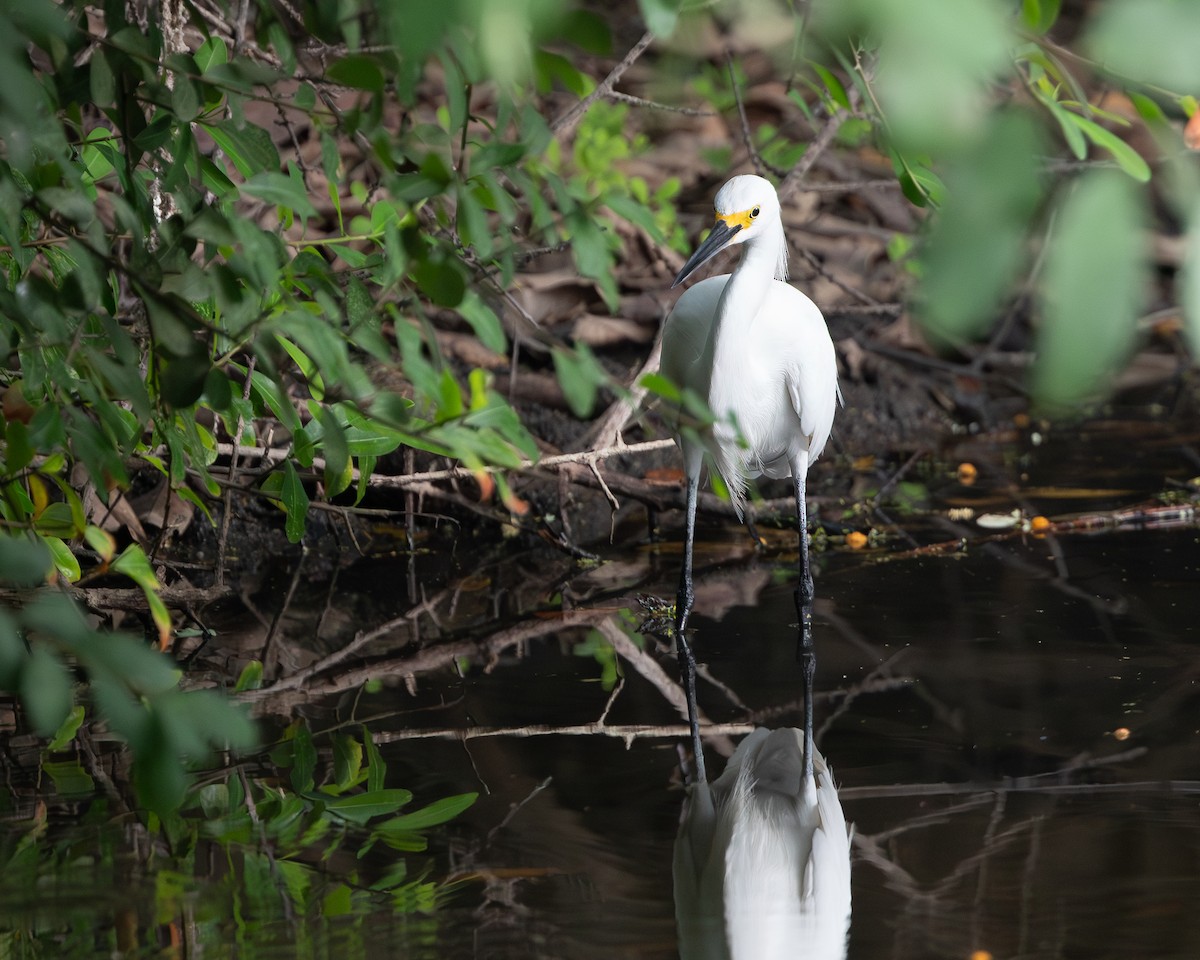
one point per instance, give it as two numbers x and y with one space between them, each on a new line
819 267
603 89
227 515
655 105
269 657
517 807
747 138
818 145
628 732
279 454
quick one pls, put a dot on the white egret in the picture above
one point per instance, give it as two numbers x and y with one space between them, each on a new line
757 351
762 859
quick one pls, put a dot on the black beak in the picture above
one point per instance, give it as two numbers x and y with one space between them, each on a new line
716 241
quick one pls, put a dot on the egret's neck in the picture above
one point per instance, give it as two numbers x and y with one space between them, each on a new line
744 294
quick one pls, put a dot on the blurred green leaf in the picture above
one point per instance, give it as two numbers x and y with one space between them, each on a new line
967 271
660 16
23 562
1151 41
357 70
1188 282
45 689
285 191
1094 285
580 377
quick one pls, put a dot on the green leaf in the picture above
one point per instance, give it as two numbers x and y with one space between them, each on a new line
285 191
69 777
103 83
484 322
436 813
304 759
134 564
966 272
660 16
1094 285
1129 159
66 732
376 768
1149 41
24 562
361 807
580 376
338 475
12 651
441 281
211 53
248 147
347 761
357 70
250 678
295 502
45 690
64 561
1188 282
101 541
837 92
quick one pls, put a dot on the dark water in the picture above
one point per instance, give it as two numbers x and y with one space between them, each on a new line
1014 725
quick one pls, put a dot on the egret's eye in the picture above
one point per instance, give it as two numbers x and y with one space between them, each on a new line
755 212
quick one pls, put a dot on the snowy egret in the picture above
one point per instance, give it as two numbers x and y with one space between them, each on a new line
757 351
762 859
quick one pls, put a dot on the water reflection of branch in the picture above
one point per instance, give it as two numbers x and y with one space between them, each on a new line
430 658
649 668
517 808
629 732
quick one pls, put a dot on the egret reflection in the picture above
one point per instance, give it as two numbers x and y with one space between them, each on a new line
762 859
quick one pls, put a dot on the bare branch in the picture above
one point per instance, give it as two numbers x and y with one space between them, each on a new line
568 120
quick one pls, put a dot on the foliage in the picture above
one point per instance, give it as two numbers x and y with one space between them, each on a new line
271 839
133 688
990 101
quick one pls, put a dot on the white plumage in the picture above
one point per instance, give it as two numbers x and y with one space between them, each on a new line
762 859
755 349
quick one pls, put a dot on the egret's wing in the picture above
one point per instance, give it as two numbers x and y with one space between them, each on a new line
809 365
830 867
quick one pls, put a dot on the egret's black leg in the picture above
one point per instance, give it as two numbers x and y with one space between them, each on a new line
683 608
804 607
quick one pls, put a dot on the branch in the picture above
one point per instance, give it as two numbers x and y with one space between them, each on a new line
568 120
818 145
626 732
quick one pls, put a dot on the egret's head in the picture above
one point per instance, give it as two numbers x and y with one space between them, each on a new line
747 210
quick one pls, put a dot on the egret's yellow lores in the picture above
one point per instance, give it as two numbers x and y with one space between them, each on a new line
762 859
757 351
